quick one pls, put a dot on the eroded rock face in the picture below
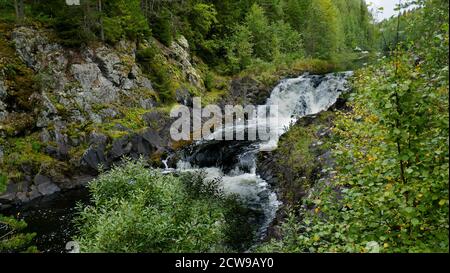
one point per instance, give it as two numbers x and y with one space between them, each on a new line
180 52
79 80
78 88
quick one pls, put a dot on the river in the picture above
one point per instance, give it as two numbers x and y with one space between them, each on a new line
235 162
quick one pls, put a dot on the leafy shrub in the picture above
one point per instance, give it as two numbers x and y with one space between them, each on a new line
163 28
12 239
390 191
136 209
155 65
3 182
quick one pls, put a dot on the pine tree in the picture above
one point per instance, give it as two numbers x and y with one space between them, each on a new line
322 32
296 12
259 27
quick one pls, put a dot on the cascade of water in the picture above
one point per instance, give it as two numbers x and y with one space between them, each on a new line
233 161
294 98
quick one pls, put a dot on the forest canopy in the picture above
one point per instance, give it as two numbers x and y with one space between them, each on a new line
261 29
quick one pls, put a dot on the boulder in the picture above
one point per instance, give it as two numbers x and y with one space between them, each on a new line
41 179
249 90
3 89
110 65
140 146
108 113
152 137
120 147
147 103
183 96
34 193
94 157
79 80
47 188
87 75
97 139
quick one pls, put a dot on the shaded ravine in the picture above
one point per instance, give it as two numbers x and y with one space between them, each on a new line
232 161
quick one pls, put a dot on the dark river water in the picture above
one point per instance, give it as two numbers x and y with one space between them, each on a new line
51 218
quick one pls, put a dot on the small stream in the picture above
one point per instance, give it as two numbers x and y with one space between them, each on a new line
232 161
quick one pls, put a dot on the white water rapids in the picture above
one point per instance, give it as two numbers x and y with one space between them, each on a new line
295 98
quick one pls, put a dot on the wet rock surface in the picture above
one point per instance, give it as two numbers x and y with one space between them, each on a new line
272 166
249 90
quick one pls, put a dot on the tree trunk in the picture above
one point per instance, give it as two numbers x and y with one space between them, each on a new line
100 11
20 10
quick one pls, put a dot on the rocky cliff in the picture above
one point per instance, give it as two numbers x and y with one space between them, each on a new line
65 113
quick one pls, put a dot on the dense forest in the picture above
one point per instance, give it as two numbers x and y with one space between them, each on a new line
389 144
265 30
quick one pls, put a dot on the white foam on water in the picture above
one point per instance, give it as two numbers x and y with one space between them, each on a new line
294 98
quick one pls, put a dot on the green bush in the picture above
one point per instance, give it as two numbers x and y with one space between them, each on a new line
163 28
3 182
113 31
136 209
155 65
390 191
12 239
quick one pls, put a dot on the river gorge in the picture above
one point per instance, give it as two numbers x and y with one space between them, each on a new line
234 163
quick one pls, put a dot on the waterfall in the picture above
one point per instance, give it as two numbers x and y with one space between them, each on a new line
235 162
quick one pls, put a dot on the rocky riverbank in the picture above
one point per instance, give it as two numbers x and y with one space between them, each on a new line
302 161
64 112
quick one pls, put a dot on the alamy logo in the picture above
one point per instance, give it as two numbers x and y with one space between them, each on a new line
234 123
73 247
73 2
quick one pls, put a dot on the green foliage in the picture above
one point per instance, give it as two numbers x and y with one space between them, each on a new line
321 35
390 191
70 22
81 24
7 13
289 40
259 39
203 18
113 31
12 239
273 9
124 19
239 49
155 65
3 182
163 28
357 24
258 25
216 29
297 13
136 209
